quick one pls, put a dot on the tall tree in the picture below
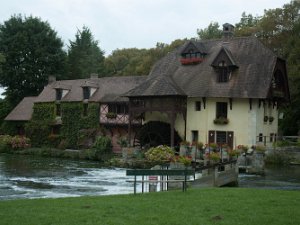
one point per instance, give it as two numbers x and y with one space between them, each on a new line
211 32
84 55
32 51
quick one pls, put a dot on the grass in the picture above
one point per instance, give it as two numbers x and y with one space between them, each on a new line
232 206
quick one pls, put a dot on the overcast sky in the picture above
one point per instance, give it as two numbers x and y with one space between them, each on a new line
118 24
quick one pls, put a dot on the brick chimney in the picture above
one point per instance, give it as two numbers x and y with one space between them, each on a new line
51 79
228 30
94 76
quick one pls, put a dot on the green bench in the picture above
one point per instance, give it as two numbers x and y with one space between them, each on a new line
170 172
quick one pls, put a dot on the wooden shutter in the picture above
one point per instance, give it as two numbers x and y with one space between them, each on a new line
211 136
230 136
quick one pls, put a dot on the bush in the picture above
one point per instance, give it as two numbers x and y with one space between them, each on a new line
19 142
278 158
160 154
54 140
5 141
102 144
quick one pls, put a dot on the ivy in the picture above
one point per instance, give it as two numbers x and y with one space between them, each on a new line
39 128
74 121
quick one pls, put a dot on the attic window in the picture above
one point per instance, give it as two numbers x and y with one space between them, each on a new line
223 72
86 92
59 93
191 57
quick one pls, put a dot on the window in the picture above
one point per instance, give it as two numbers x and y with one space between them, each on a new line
223 72
195 136
58 110
59 94
198 106
271 137
260 137
221 137
221 110
86 92
118 108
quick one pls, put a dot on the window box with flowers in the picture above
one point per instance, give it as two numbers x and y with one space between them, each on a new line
221 121
111 115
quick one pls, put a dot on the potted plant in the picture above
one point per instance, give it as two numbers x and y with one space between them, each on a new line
221 121
266 118
271 118
214 157
111 115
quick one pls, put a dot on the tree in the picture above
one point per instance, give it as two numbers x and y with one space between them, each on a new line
135 61
211 32
247 26
32 52
84 55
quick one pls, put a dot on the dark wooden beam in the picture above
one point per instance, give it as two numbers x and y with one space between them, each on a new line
230 103
204 102
250 103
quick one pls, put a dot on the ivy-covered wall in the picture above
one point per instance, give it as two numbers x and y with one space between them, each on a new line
39 127
76 118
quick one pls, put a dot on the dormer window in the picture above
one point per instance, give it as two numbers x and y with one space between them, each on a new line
59 93
223 75
86 92
224 64
192 54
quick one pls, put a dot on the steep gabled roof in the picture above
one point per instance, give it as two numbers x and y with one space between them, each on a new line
157 86
108 89
251 79
228 54
23 111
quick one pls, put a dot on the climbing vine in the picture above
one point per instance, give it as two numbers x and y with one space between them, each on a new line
39 127
74 120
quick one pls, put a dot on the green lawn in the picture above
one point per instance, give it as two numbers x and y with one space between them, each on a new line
230 206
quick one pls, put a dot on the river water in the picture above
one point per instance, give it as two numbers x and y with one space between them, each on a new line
34 177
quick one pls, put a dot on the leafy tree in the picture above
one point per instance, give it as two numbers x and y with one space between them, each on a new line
247 26
211 32
84 55
133 61
32 51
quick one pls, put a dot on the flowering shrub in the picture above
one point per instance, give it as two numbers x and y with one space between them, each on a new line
160 154
19 142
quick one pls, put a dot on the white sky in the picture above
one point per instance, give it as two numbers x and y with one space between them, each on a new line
118 24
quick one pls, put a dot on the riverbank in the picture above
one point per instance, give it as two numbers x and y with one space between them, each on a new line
196 206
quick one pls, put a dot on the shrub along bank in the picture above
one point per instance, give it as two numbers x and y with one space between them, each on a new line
226 206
